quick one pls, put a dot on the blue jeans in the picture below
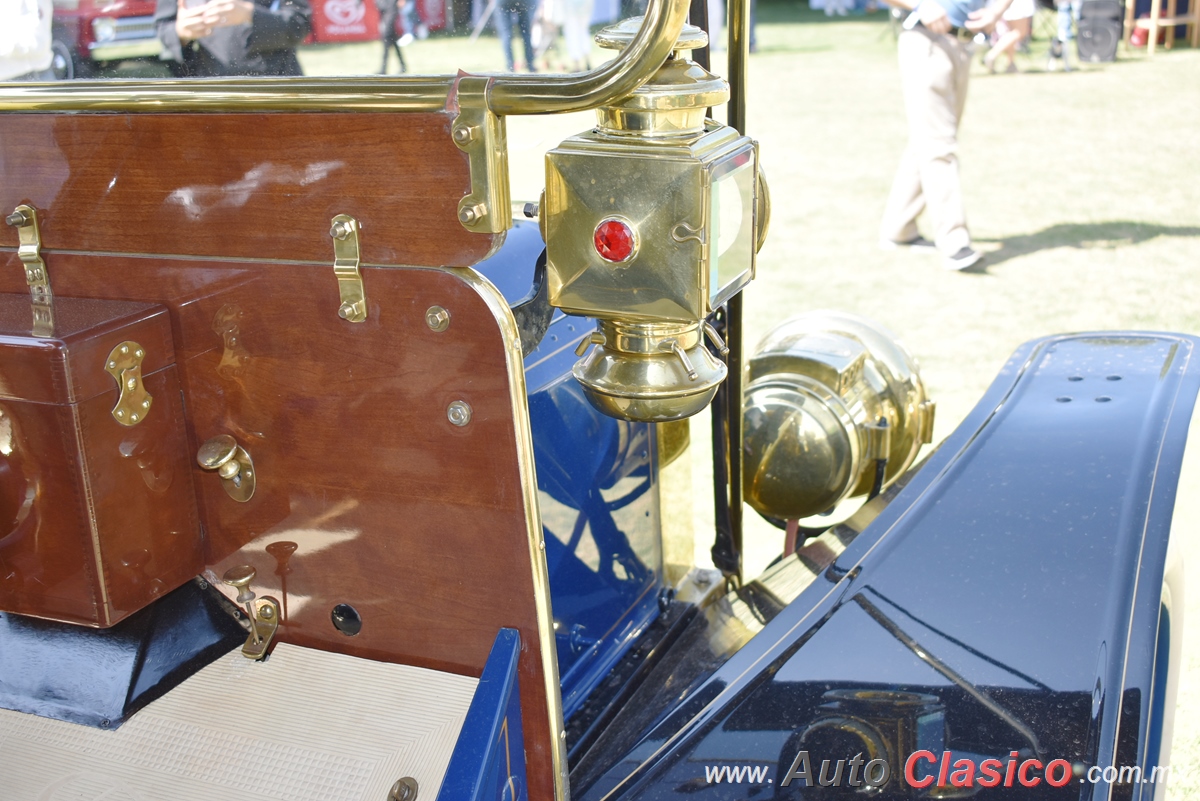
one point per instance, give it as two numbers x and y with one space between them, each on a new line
521 13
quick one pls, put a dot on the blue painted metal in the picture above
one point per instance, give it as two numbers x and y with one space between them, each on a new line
597 490
1016 580
488 763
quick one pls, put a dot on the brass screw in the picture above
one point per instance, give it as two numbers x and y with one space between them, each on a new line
345 310
437 318
266 613
459 413
340 230
464 134
17 219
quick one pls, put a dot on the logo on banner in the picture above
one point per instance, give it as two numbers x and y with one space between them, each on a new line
345 14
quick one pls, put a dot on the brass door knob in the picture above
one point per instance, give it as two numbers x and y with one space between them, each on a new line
232 463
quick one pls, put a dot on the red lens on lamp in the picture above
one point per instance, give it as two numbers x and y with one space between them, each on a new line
613 240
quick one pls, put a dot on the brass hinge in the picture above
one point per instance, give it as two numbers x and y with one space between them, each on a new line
24 219
124 364
344 230
482 136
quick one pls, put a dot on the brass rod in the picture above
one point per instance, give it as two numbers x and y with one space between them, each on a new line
232 95
637 63
507 95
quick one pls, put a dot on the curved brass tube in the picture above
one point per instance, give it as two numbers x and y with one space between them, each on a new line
637 63
508 94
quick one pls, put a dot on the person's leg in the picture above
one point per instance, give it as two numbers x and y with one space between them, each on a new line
935 94
502 19
1018 30
525 18
906 201
400 55
387 34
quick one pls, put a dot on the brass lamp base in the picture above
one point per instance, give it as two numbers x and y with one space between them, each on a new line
649 372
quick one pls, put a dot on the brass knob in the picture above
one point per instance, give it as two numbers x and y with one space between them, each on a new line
217 452
239 577
231 462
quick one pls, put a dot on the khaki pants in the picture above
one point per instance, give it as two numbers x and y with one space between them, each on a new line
934 70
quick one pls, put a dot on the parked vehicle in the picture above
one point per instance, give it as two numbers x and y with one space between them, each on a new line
89 34
322 478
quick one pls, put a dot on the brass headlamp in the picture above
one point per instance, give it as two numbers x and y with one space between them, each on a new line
651 222
835 408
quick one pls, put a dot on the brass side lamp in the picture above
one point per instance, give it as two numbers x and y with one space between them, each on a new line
651 222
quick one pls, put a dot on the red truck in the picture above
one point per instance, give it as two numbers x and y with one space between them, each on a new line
91 33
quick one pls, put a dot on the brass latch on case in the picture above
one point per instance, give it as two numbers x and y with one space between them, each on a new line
344 230
24 219
263 613
124 364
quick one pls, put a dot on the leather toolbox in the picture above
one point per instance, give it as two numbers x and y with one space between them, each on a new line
97 510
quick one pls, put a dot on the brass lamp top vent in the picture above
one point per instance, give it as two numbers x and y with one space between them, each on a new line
674 101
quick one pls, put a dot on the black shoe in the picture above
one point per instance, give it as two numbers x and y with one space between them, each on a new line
964 259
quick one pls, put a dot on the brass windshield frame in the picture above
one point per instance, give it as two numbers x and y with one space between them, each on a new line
507 94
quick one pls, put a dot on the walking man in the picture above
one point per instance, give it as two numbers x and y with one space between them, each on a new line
935 50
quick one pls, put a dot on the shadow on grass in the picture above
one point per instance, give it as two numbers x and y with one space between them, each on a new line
1083 236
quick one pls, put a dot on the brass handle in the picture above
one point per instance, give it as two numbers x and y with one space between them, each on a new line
637 63
232 463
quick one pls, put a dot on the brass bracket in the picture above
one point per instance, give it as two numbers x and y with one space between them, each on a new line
24 219
124 364
482 136
265 623
344 230
879 440
926 412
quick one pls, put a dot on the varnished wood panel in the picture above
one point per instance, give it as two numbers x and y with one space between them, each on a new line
367 494
241 185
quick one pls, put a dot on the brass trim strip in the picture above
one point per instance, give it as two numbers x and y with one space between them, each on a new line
232 94
514 359
508 94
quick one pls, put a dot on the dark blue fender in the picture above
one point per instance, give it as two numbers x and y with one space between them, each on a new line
1007 600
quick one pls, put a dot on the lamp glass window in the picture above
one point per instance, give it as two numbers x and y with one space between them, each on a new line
731 216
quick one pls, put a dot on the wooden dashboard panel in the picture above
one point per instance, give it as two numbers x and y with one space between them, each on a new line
241 185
